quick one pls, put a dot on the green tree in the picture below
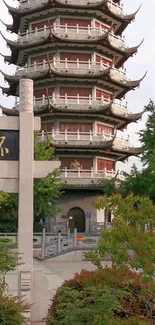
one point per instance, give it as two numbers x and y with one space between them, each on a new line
140 182
8 212
147 136
128 243
46 192
8 259
48 189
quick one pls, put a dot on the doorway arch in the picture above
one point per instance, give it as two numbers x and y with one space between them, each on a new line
76 217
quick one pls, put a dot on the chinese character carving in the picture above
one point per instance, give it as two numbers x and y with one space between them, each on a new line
3 150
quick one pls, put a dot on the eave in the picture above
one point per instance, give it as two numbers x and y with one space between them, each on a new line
117 155
18 13
89 187
127 152
102 6
16 46
19 56
118 26
117 88
119 121
86 146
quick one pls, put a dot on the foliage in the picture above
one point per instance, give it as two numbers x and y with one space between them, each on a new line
11 310
46 193
8 259
8 212
147 136
137 182
140 182
46 190
128 243
89 305
108 296
110 186
43 150
116 295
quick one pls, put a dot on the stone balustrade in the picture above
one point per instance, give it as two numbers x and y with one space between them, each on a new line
84 137
72 32
78 102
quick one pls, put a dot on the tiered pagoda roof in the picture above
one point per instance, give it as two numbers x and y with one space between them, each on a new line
106 111
99 8
52 75
109 43
53 39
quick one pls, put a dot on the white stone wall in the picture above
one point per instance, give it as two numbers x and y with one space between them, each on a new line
86 204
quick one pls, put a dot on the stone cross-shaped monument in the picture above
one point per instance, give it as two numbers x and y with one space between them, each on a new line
17 175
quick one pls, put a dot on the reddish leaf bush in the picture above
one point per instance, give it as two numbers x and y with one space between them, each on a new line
133 293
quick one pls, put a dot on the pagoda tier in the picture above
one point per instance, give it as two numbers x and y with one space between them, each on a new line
106 77
74 52
83 39
117 154
112 112
106 10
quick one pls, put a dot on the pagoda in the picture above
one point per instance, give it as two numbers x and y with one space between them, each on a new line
75 53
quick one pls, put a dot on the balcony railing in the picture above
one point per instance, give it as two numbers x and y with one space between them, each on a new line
84 137
115 8
72 32
82 174
78 102
65 66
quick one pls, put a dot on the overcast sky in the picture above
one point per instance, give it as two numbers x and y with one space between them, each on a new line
143 26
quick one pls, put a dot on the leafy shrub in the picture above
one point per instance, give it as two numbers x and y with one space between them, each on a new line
107 296
11 310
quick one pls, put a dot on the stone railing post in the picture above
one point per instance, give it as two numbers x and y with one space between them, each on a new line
75 238
43 242
59 243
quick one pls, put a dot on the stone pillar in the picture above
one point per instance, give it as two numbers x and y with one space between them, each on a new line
25 207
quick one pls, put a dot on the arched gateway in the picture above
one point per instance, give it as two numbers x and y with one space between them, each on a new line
76 218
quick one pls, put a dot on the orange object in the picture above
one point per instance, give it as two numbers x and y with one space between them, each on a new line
79 238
